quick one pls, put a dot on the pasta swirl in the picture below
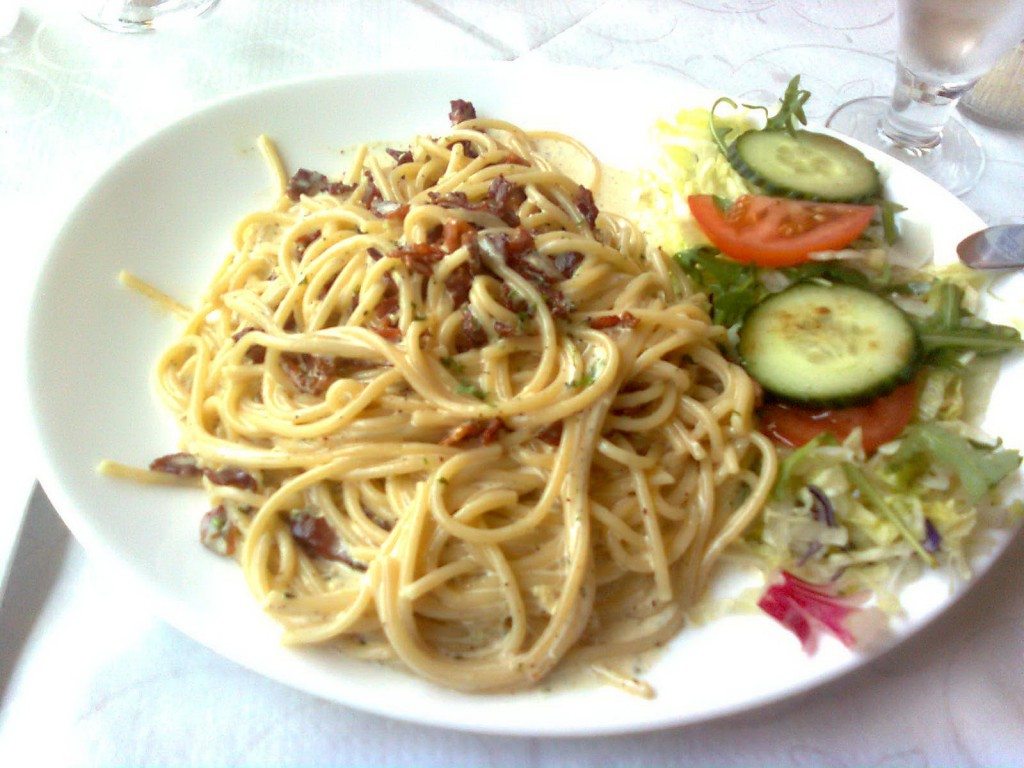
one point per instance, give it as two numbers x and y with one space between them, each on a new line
452 414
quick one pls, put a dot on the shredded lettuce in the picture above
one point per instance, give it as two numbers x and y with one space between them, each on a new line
689 164
979 468
940 396
911 506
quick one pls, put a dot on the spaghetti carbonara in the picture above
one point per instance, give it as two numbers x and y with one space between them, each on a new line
450 413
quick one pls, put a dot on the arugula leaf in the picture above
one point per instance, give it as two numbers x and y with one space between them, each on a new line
791 110
828 270
889 229
732 288
791 113
949 330
874 499
979 468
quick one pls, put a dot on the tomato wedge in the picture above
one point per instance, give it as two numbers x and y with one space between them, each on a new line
881 420
777 231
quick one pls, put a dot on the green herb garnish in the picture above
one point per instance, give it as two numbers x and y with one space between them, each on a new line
453 365
469 388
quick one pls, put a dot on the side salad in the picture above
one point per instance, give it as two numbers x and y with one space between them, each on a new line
870 364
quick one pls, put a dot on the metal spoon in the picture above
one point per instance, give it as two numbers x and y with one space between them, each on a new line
994 248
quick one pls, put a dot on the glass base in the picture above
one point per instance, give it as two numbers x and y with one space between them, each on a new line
141 15
955 162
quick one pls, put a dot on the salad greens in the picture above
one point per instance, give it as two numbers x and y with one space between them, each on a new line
946 329
979 468
949 330
859 522
783 160
790 114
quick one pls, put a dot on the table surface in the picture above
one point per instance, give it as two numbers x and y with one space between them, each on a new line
89 677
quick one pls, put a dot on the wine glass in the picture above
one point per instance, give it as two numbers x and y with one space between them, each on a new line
944 47
140 15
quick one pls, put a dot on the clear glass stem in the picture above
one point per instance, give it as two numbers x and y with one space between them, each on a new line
919 110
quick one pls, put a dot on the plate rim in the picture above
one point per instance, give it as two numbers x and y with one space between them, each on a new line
166 608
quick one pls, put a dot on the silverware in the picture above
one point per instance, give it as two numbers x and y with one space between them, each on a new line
994 248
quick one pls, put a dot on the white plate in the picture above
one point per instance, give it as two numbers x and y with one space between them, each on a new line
165 210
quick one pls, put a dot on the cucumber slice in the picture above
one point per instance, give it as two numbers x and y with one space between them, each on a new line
805 165
828 344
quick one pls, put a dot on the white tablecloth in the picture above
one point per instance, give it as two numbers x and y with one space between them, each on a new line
86 679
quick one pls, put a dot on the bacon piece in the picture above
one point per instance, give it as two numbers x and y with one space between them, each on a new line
217 533
311 374
459 283
231 476
626 320
463 432
557 303
584 200
603 322
504 329
498 245
488 431
177 464
468 150
492 430
316 537
306 182
453 232
388 303
519 242
386 331
460 280
388 209
512 300
401 157
567 263
453 200
461 111
257 353
339 188
371 193
504 198
374 253
471 334
304 241
419 257
552 435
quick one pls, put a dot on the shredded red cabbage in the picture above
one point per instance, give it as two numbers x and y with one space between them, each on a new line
932 537
807 610
821 506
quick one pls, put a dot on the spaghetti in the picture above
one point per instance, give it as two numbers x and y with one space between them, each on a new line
449 413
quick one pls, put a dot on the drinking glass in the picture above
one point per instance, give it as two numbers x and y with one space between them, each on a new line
944 47
141 15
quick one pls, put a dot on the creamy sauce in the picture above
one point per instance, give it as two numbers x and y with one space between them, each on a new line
615 189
